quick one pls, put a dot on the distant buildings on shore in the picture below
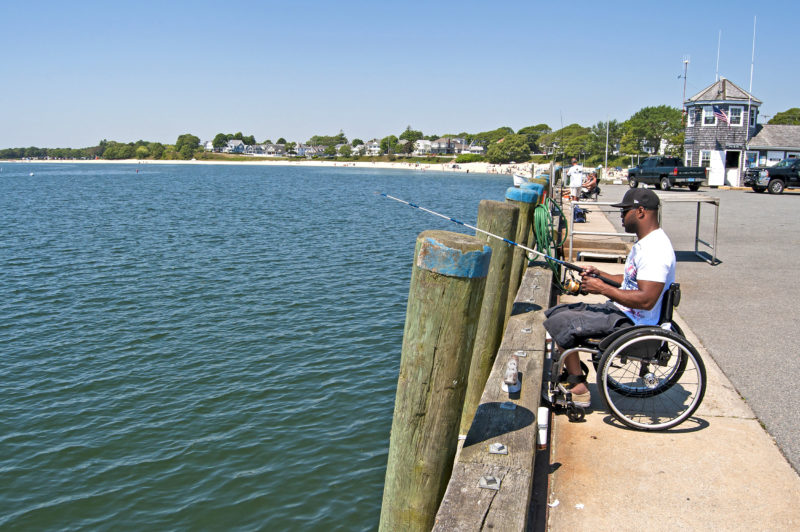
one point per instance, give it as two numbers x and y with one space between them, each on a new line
372 148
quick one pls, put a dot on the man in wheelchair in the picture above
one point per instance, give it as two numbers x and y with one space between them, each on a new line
649 271
590 187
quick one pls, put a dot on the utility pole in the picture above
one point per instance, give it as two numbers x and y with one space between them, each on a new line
605 161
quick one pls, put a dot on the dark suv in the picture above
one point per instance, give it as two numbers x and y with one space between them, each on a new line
785 174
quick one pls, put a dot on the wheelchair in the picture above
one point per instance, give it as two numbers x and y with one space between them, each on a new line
590 194
649 376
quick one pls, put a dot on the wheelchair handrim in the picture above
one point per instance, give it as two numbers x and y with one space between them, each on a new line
688 409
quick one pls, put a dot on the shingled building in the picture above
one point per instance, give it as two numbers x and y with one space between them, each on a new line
720 121
722 134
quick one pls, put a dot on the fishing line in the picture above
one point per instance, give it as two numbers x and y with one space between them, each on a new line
566 264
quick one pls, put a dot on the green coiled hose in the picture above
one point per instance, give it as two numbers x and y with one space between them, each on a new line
542 220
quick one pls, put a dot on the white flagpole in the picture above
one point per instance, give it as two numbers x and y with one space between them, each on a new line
750 93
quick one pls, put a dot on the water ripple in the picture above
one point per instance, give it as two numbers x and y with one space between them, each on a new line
204 347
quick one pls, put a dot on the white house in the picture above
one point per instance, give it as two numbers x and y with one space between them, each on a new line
300 149
473 148
373 148
422 147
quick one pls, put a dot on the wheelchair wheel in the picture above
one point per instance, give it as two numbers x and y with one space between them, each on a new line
671 372
668 376
651 379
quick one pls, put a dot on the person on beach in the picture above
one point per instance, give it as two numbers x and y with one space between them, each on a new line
649 271
575 180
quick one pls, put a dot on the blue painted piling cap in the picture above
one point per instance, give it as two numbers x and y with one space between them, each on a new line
536 187
453 254
523 195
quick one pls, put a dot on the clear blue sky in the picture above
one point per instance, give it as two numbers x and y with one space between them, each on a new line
76 72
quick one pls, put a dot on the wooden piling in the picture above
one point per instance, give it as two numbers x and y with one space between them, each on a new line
500 219
447 284
525 200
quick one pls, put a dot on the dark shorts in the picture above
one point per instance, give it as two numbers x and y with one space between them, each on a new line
571 323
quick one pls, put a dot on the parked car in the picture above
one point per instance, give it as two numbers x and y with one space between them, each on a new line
785 174
667 172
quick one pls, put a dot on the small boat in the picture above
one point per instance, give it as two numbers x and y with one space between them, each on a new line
519 179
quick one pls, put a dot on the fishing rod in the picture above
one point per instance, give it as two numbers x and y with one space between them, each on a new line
566 264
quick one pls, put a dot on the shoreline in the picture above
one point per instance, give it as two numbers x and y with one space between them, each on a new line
477 167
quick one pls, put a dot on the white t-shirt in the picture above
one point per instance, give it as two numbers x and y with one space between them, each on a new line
575 176
651 259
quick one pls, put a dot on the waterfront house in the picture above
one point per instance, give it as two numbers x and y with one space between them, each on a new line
234 146
208 145
373 148
274 150
358 150
473 148
446 145
720 122
422 147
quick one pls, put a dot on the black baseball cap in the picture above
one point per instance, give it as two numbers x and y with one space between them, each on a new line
639 197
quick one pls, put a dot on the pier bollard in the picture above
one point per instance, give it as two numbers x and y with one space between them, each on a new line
536 187
500 219
525 199
444 302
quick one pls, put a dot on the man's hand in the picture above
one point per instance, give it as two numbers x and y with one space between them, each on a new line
593 285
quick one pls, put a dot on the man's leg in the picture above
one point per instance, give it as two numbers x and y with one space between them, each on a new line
573 365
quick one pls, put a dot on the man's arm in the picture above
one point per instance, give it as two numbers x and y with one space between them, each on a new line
645 298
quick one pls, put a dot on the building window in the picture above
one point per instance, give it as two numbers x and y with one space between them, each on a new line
774 157
705 158
735 115
753 113
690 117
752 159
708 116
688 160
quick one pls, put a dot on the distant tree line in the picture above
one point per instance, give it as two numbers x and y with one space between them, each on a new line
185 147
645 131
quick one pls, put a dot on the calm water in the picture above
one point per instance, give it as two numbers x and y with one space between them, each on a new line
205 347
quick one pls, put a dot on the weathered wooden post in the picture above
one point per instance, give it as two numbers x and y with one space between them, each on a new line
444 301
500 219
525 199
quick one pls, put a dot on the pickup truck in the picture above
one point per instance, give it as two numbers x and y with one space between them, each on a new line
785 174
667 172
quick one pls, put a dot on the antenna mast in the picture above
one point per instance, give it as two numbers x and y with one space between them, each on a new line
685 70
719 41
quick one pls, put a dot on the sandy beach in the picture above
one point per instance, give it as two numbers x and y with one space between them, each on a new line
481 168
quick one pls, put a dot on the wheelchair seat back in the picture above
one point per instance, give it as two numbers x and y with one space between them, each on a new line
670 300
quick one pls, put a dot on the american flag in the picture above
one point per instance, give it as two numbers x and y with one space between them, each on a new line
720 114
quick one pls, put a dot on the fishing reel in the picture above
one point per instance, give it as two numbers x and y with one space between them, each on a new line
573 286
